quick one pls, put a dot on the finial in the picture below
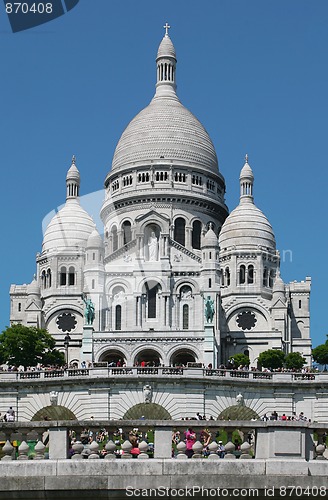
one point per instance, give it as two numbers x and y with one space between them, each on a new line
246 158
167 27
73 160
211 225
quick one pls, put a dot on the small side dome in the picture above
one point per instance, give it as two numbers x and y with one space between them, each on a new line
70 227
94 240
247 226
210 239
279 285
33 288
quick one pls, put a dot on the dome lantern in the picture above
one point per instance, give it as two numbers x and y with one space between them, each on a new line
72 181
166 64
246 179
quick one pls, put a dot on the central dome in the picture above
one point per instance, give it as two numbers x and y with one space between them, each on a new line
165 129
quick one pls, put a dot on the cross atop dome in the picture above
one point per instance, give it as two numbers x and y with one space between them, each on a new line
246 158
167 27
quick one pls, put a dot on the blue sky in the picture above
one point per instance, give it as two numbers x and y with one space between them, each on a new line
254 73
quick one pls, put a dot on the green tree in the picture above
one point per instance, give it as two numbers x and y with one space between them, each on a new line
240 359
320 354
28 346
295 361
272 358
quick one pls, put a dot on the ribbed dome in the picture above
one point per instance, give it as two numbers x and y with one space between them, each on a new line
33 288
70 227
247 225
165 129
94 240
210 239
166 48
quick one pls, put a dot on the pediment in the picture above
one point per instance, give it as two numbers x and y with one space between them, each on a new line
32 306
152 216
279 304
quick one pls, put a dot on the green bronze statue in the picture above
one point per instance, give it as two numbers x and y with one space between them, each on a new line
89 311
209 309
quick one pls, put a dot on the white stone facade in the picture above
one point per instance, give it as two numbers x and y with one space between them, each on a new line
168 247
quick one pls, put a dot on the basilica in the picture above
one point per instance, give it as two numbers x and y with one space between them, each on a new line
173 279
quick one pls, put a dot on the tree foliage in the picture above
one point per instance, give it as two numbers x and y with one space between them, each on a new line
27 346
320 354
272 359
240 359
294 361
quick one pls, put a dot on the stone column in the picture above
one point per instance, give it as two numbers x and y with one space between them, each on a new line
58 443
163 442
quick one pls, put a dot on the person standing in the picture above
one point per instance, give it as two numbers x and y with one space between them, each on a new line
190 436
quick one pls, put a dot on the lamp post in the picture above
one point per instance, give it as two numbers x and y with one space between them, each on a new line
66 345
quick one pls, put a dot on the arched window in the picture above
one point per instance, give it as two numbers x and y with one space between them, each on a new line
48 278
114 239
43 279
222 277
185 317
227 273
271 278
179 230
118 317
152 296
196 234
71 276
127 235
265 276
242 274
62 280
250 274
19 306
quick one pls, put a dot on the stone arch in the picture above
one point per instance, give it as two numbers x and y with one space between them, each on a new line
149 355
112 357
183 357
238 412
151 411
53 413
102 353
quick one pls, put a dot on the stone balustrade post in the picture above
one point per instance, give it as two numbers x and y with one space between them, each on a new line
8 451
229 449
143 447
213 449
77 448
58 443
23 450
126 447
197 449
181 448
110 447
39 450
94 448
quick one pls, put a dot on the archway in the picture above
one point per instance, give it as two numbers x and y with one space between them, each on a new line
54 413
238 412
113 357
152 411
148 357
182 358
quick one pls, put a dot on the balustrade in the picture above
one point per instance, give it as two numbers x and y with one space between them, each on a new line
146 439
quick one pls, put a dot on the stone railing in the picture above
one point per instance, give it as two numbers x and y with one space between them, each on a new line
162 439
163 371
288 457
